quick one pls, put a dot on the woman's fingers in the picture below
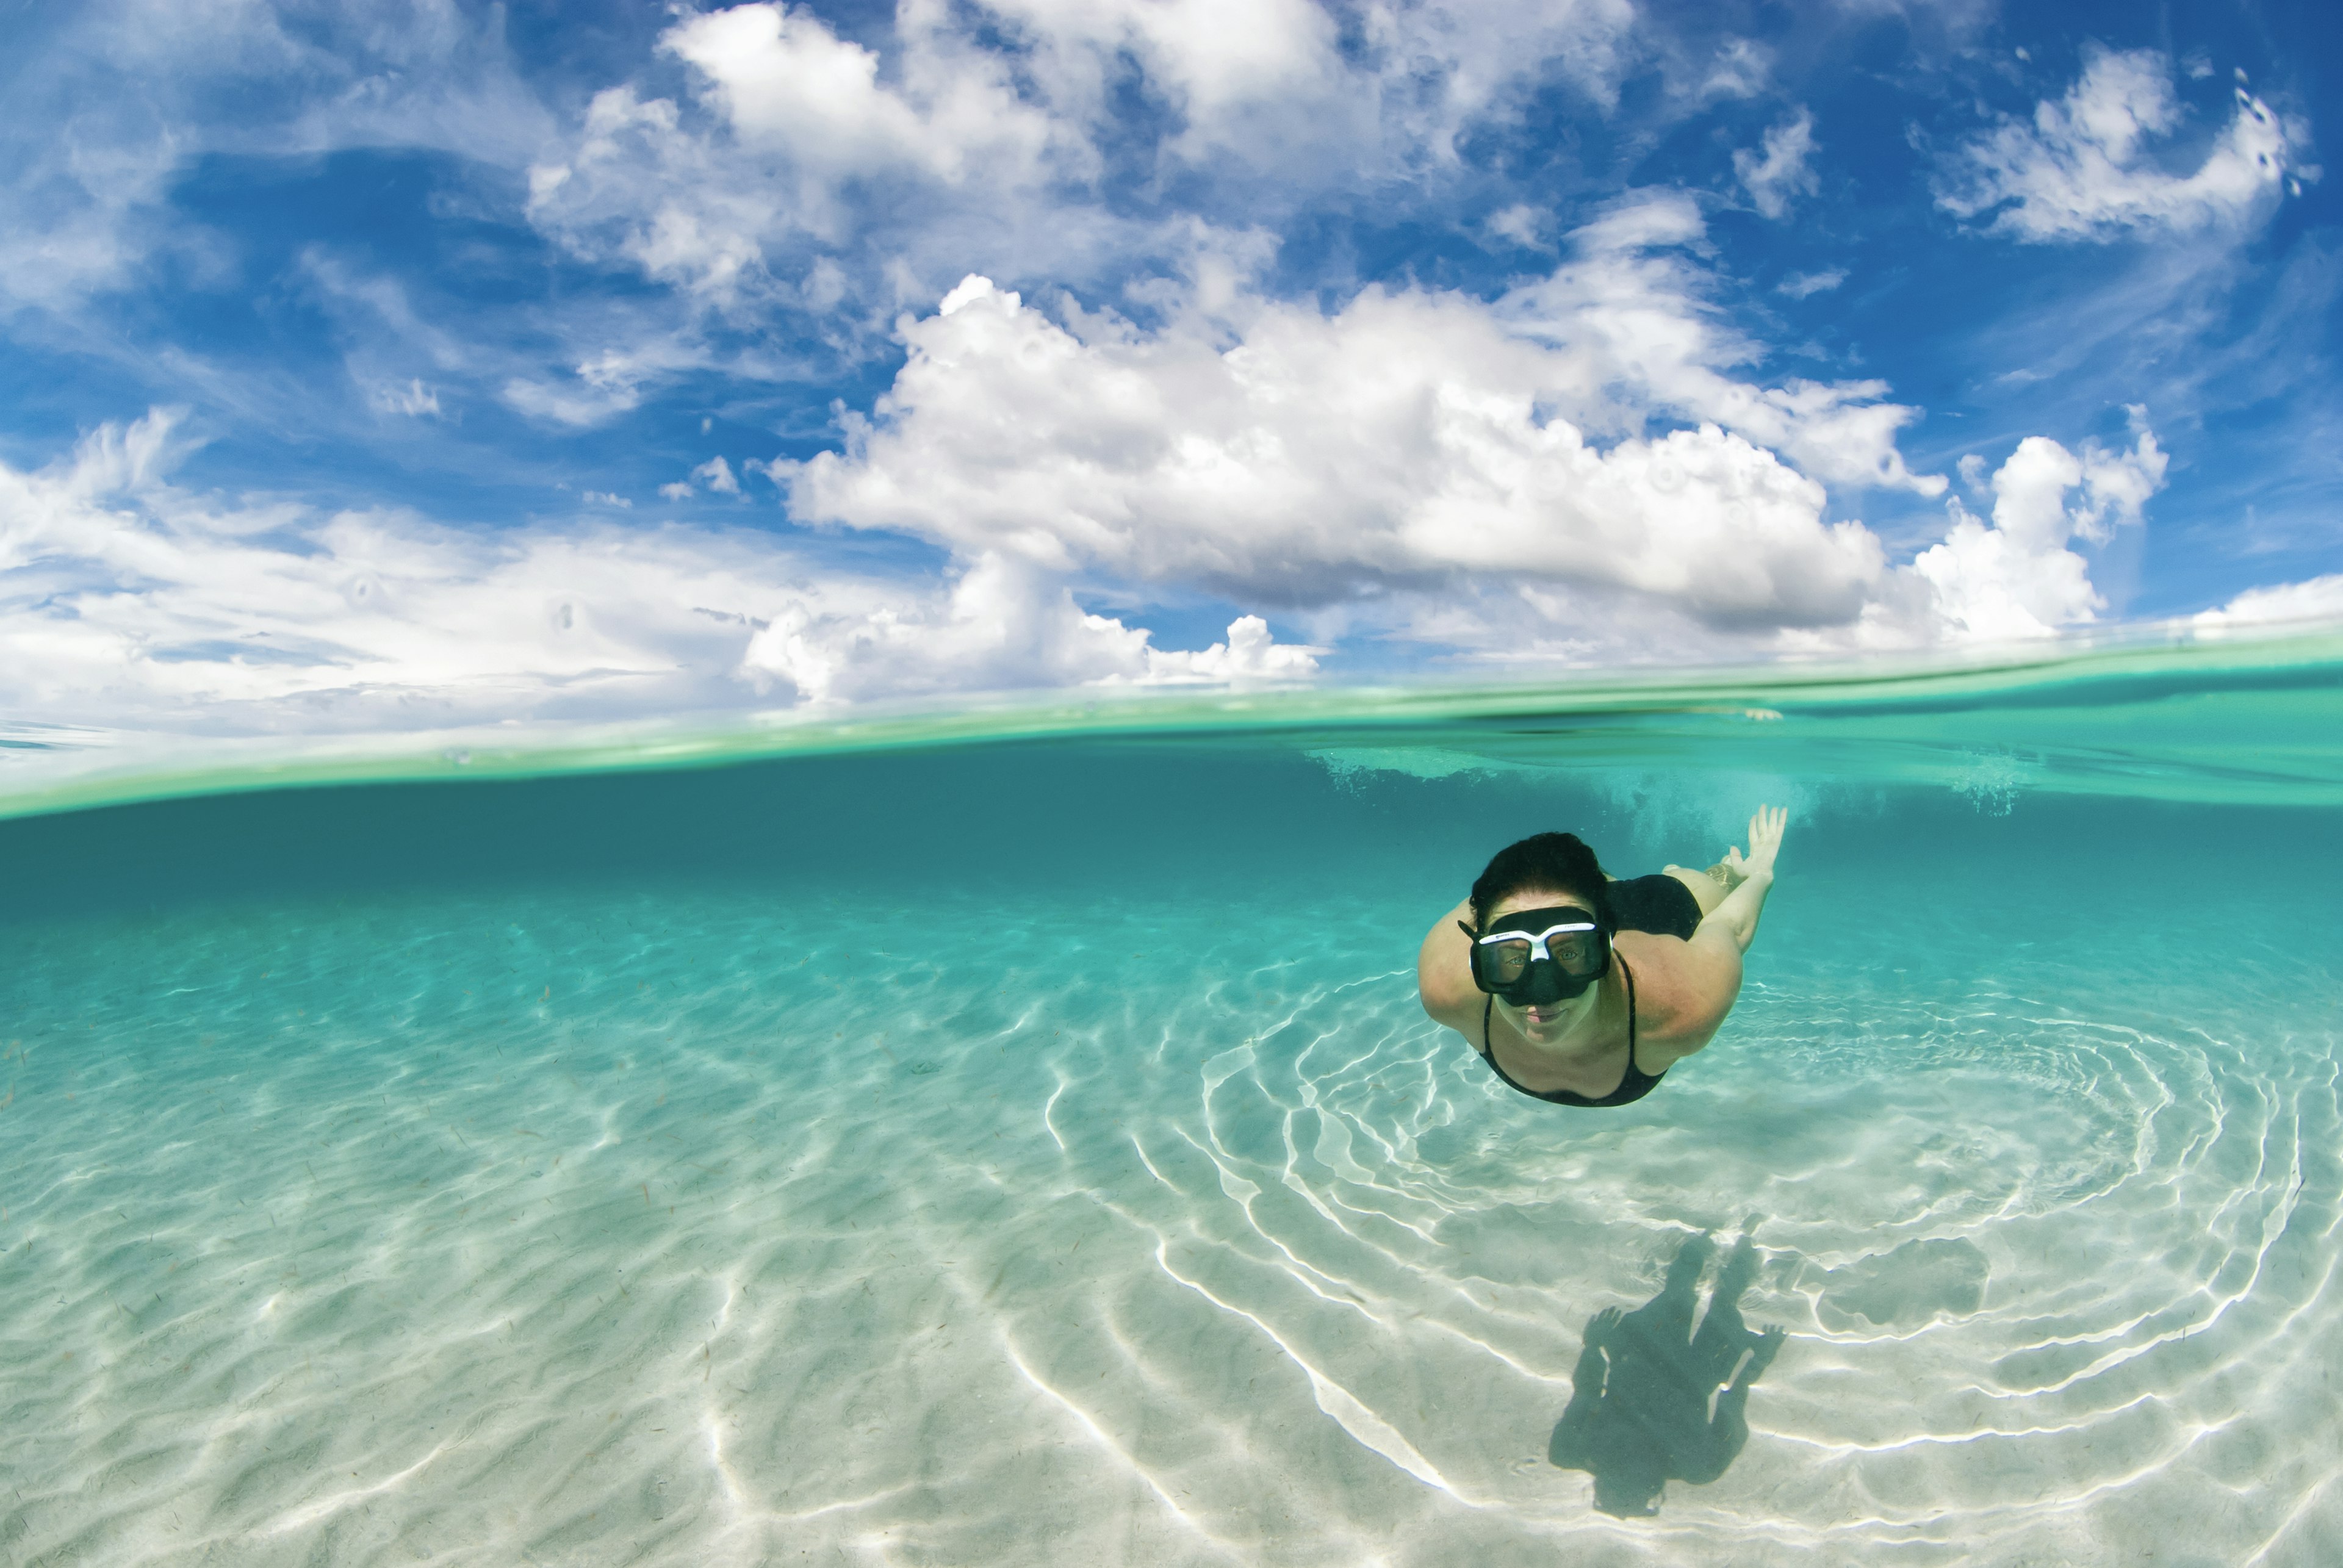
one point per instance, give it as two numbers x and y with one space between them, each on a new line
1765 829
1765 838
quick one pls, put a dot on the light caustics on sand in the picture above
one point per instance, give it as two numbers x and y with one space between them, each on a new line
1035 1153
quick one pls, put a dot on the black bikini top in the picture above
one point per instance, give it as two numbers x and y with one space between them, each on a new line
1633 1087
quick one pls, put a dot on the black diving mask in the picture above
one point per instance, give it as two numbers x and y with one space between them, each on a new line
1535 956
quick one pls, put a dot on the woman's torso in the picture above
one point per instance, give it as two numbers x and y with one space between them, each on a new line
1608 1072
1583 1080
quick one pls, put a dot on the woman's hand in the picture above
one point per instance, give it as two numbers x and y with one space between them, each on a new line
1735 919
1765 843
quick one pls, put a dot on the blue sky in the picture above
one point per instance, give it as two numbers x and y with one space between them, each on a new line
423 366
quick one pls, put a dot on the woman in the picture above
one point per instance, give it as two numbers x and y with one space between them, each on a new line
1584 991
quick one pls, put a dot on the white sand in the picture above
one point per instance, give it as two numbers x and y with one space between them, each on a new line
598 1229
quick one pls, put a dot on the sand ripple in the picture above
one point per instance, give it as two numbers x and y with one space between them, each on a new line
611 1228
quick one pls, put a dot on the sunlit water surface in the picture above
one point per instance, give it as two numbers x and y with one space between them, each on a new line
1035 1153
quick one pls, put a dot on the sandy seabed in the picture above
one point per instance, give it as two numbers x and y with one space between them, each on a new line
604 1228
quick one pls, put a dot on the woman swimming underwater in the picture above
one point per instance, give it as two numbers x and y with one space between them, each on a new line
1583 990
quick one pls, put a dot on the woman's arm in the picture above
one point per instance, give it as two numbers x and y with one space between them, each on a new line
1690 996
1736 918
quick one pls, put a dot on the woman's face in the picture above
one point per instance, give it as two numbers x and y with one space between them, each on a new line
1545 1021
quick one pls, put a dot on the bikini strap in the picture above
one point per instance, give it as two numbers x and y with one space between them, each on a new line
1488 1046
1631 1012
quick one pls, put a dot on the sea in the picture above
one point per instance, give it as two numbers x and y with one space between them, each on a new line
1009 1134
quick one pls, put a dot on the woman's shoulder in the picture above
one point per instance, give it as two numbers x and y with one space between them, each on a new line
1679 1003
1443 972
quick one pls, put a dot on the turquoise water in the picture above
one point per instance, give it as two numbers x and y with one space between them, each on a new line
1017 1140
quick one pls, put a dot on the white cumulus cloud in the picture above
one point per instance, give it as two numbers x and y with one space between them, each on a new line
785 80
1270 451
2319 599
1474 474
809 169
2084 167
2017 578
1002 624
794 142
1394 444
126 601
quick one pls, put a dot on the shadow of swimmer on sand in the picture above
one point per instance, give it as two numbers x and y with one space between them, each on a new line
1656 1399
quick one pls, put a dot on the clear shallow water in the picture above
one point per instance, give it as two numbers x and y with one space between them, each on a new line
1033 1152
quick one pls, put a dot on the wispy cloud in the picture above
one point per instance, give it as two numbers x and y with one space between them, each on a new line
131 94
2083 167
412 399
1784 169
1805 284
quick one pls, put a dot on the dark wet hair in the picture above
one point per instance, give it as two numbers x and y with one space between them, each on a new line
1555 863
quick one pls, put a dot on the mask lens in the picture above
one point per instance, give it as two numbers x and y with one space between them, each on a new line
1504 963
1576 953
